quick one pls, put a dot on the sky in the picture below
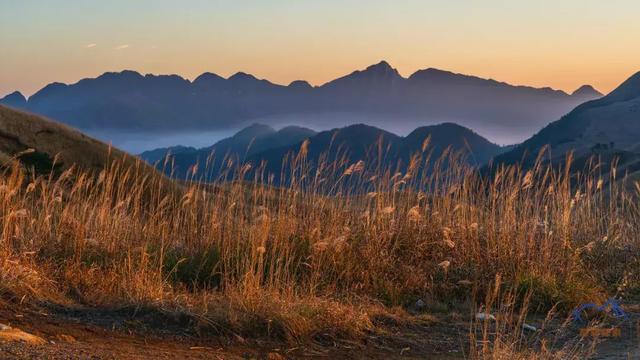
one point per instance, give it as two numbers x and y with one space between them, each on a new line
562 44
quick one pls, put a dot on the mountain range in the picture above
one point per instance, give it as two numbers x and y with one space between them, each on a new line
212 160
261 144
377 95
607 128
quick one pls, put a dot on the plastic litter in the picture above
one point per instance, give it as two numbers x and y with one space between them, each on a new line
611 305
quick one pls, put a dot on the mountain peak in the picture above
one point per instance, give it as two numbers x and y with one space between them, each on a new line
48 90
254 130
124 74
244 82
242 76
586 91
208 81
378 74
381 66
442 128
207 76
382 69
16 94
362 131
300 85
15 99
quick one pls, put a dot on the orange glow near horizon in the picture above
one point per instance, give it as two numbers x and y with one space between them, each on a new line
539 44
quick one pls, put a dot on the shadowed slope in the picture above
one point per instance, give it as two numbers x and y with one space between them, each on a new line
610 123
45 146
606 130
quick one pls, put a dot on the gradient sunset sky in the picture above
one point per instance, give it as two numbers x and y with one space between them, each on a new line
562 44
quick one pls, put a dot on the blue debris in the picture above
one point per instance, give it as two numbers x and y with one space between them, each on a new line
611 305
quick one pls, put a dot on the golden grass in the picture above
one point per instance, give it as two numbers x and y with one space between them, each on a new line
337 244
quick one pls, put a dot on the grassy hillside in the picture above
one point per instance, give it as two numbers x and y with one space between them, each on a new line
44 145
41 147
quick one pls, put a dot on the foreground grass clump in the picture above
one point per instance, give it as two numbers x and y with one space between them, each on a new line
321 254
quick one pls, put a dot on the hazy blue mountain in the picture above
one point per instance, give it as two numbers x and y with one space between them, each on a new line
15 100
377 95
210 160
478 149
587 91
337 147
608 127
346 145
381 149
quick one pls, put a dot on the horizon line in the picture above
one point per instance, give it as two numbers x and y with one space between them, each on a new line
317 85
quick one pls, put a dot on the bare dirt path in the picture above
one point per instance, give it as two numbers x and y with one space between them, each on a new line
90 334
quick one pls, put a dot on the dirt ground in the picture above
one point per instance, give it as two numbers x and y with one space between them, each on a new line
92 334
129 334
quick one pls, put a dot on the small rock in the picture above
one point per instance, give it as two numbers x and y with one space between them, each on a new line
420 305
4 327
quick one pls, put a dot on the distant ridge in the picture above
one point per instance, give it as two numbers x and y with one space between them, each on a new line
130 101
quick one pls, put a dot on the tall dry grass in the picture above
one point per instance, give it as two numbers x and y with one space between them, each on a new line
321 254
